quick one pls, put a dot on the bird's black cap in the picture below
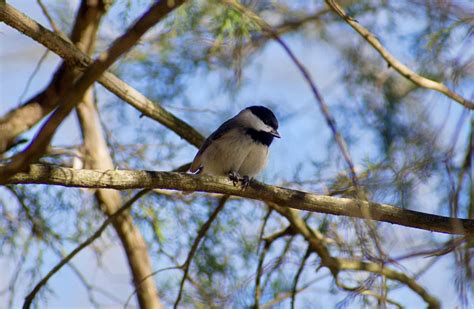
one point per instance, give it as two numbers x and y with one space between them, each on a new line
265 114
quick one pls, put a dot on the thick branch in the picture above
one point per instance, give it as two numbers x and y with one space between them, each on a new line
83 35
394 62
37 147
74 57
97 156
123 180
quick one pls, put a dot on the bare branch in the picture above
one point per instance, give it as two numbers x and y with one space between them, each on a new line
97 156
394 62
258 275
33 74
90 288
282 296
123 180
347 264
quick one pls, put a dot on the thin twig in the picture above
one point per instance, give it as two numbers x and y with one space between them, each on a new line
258 275
45 11
33 74
395 63
201 234
465 167
297 277
90 288
446 248
282 296
262 229
137 285
88 241
275 263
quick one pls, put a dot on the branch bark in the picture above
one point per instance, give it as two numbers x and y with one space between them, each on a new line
394 62
124 180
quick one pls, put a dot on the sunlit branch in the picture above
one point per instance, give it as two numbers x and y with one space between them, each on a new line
354 265
134 179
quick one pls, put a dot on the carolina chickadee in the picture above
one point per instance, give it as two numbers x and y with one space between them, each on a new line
239 147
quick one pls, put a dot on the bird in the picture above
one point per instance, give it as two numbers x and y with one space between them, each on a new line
239 147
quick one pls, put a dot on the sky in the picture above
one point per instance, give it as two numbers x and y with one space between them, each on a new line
274 79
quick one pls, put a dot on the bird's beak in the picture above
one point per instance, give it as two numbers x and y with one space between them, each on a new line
275 133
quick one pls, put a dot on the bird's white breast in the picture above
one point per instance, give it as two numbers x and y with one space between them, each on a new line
235 151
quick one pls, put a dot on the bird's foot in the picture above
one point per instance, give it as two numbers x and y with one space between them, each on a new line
245 182
234 176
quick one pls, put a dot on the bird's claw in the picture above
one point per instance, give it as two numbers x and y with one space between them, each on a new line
234 177
245 182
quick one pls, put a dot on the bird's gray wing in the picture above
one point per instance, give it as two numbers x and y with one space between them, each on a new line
222 130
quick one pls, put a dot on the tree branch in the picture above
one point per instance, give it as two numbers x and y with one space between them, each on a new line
347 264
294 289
97 156
123 180
74 57
394 62
317 244
72 97
45 11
